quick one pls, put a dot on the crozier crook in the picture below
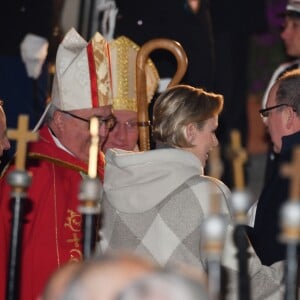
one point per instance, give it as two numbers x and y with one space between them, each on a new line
143 55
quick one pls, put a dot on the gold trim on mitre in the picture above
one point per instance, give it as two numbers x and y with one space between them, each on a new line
82 79
123 54
100 72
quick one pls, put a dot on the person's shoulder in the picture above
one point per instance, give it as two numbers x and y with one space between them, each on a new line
207 186
287 66
218 184
115 156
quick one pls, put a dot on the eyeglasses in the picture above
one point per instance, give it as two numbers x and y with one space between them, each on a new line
266 111
130 125
109 121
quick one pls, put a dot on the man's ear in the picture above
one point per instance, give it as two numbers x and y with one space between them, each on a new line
190 132
58 120
289 117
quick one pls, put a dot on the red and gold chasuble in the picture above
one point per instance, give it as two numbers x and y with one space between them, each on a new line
52 231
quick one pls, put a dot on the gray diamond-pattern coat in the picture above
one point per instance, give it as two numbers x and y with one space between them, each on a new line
154 203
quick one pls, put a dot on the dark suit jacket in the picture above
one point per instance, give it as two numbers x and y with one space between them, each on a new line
265 234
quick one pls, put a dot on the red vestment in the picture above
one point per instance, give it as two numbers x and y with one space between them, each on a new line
51 231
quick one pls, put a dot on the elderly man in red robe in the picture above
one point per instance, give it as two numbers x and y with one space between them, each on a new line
58 161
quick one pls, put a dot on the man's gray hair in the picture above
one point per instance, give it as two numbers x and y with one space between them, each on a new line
47 116
288 91
50 113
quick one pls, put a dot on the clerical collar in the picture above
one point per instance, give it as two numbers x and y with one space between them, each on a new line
58 143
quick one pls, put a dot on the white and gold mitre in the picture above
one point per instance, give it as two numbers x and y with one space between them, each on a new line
123 54
83 74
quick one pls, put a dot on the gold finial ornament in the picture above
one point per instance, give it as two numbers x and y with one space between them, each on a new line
239 158
93 153
22 136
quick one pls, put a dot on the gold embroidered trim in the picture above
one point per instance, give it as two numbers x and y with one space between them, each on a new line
55 217
73 223
102 66
57 161
123 62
